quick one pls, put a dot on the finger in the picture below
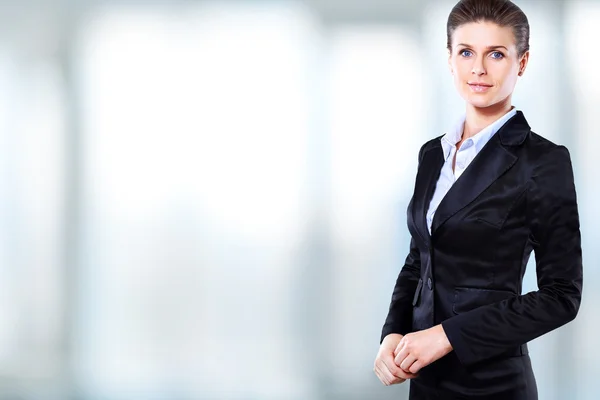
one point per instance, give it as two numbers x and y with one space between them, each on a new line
402 354
398 380
416 366
376 370
406 375
391 366
379 371
407 362
396 371
399 347
391 378
381 376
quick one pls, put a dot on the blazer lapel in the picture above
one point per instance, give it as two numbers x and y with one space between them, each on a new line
427 177
493 161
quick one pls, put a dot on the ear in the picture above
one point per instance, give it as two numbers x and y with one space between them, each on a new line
523 63
450 62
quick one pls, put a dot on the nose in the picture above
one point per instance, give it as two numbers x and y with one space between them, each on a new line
478 67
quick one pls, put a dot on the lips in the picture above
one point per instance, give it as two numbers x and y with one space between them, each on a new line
479 86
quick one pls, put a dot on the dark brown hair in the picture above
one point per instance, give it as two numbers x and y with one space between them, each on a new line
501 12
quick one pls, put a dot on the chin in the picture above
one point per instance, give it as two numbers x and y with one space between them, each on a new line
480 101
481 104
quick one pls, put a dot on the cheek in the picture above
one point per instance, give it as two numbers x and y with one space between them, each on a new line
456 78
459 84
461 74
509 81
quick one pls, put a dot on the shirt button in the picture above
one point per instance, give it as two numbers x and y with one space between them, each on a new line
429 285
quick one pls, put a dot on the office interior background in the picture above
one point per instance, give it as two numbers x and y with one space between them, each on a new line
207 199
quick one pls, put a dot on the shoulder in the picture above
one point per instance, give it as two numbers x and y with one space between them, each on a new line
550 168
429 145
543 152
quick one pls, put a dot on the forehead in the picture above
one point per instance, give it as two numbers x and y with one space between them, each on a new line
483 34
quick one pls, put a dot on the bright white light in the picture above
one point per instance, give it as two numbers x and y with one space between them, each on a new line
196 131
376 122
377 125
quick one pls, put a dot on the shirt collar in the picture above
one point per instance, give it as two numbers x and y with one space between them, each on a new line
454 135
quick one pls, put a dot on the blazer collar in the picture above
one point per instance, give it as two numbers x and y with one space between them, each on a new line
514 131
427 176
494 159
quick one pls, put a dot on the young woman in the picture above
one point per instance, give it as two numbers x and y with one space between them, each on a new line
487 193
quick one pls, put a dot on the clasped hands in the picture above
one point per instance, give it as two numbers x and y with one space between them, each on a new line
401 357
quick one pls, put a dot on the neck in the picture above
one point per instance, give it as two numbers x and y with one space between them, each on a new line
478 118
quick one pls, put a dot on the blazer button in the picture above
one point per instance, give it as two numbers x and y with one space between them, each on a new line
429 285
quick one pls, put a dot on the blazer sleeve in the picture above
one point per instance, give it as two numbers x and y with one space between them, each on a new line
553 220
399 318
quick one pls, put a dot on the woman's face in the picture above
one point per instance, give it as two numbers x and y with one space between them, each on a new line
485 63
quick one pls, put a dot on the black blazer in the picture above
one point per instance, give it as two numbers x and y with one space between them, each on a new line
516 196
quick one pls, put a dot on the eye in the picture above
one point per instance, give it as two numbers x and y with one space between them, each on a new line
497 55
465 53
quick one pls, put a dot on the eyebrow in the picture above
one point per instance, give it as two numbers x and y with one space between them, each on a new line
487 48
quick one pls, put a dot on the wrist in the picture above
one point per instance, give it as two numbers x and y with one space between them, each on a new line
446 345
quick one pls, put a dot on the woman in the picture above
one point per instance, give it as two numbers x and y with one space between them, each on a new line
487 193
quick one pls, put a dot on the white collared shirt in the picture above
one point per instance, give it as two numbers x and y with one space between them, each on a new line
467 152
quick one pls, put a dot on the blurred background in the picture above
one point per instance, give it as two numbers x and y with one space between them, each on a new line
207 199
